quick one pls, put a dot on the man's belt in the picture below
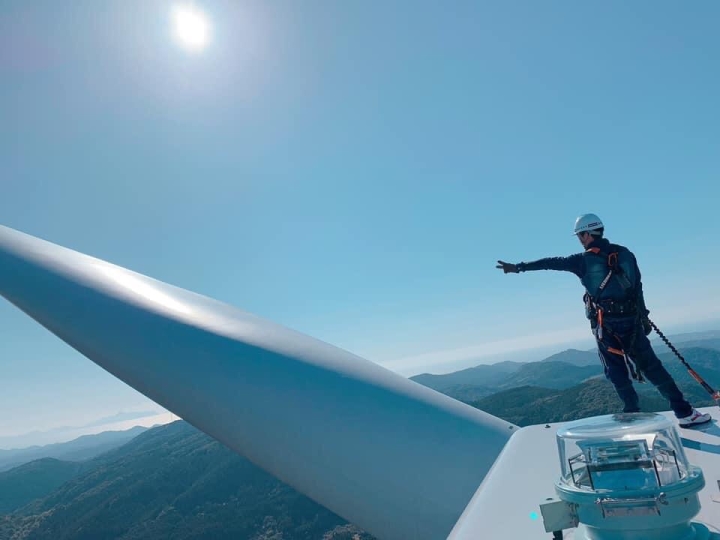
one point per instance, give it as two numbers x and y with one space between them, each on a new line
614 308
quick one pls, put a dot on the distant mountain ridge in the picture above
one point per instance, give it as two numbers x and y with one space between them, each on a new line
569 367
574 357
482 375
484 380
36 477
84 447
535 403
174 482
117 422
552 374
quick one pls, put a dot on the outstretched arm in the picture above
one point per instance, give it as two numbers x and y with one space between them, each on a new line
573 263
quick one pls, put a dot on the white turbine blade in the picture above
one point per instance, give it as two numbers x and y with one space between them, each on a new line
393 457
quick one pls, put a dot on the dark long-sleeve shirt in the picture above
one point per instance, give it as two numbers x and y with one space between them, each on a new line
575 264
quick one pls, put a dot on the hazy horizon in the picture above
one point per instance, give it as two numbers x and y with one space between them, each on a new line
446 361
126 419
64 432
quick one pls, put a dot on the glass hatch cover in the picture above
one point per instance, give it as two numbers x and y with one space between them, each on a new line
621 452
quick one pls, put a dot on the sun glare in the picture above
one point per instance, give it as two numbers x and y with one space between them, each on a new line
191 26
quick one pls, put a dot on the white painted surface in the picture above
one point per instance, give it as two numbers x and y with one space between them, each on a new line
525 472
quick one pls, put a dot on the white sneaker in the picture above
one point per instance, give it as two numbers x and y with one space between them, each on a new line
694 419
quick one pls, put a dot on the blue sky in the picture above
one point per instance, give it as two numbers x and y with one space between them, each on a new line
353 170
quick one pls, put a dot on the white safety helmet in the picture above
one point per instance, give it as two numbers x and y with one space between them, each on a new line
587 223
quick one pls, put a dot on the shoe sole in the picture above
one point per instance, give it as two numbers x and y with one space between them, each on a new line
696 423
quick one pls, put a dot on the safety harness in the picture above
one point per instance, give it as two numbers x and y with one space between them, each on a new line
595 306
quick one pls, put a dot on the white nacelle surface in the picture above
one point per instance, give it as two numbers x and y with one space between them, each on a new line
507 504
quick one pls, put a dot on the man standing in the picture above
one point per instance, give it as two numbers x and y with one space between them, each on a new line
615 306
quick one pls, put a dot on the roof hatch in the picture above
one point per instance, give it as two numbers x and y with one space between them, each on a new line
625 476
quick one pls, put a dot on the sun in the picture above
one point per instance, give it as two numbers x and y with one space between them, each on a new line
191 27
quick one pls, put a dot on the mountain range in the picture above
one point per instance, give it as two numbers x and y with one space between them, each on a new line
117 422
172 482
84 447
176 482
33 472
563 370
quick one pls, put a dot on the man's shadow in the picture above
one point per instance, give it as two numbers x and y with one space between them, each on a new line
711 428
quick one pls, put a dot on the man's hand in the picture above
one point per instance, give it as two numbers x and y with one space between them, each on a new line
508 267
647 327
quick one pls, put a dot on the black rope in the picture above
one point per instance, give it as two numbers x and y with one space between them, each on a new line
715 395
667 342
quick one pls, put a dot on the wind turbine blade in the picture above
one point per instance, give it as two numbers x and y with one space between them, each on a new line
397 459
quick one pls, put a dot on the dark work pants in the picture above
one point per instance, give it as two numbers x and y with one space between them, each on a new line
637 346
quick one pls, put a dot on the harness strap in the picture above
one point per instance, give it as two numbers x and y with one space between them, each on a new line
612 262
633 371
615 269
